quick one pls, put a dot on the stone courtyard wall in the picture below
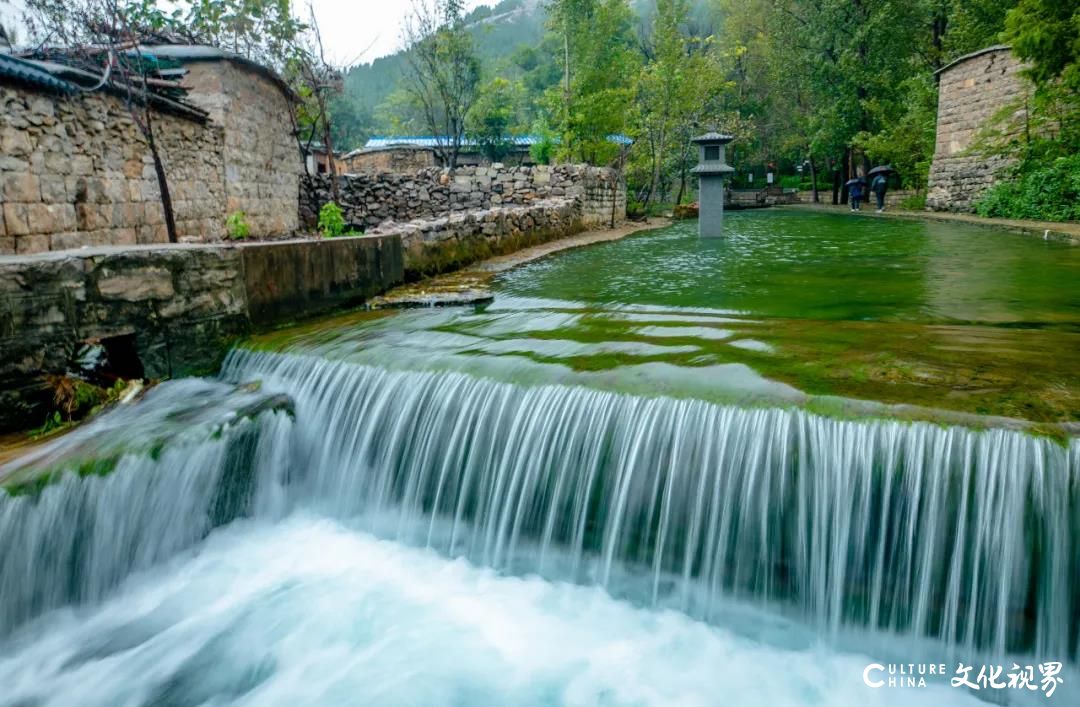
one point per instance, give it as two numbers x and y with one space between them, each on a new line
972 91
392 159
370 199
77 172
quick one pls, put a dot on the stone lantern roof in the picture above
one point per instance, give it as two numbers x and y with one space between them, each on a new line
713 138
715 164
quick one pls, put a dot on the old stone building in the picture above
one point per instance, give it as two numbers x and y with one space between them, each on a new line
260 155
974 91
392 158
75 169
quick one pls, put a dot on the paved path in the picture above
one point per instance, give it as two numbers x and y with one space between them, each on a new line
1066 231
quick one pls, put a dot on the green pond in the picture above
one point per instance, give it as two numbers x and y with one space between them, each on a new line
815 309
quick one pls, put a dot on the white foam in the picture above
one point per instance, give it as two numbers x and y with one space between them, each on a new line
309 612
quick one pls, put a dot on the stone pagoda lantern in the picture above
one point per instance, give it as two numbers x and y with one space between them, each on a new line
711 170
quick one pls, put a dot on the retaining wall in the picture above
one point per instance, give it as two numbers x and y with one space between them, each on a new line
446 243
76 170
183 306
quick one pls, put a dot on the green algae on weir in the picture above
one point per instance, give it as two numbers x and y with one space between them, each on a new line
96 448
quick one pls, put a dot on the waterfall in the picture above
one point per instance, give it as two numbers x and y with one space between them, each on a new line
965 536
82 534
961 536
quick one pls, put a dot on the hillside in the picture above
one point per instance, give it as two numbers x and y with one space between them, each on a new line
498 32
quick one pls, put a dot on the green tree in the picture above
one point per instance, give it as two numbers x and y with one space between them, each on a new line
599 63
495 118
677 95
1046 33
444 72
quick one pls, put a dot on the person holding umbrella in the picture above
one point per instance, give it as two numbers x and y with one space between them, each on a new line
855 191
880 184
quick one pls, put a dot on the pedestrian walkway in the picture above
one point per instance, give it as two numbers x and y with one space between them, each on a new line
1065 231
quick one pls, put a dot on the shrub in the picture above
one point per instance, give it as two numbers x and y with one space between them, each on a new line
635 210
1041 189
237 226
331 220
915 202
543 151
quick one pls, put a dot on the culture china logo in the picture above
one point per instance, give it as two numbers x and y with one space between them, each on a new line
1045 676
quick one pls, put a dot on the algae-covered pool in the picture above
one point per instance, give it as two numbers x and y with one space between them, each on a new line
789 306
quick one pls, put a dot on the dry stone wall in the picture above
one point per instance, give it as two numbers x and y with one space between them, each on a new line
370 199
77 171
973 90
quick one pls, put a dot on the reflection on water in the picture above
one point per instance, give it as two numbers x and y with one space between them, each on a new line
823 266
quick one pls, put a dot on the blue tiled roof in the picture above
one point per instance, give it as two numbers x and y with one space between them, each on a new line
30 73
431 141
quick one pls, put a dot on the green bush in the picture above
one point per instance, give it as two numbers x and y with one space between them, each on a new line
915 202
237 226
543 151
331 220
1047 190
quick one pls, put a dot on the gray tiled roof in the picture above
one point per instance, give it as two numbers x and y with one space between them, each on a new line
30 73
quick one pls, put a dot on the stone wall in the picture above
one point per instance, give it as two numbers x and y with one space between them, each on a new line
391 159
445 243
76 171
370 199
972 91
262 160
183 306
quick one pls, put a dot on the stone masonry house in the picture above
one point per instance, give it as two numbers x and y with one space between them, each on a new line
973 91
75 169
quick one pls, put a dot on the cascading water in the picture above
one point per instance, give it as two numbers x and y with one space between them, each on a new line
961 536
82 534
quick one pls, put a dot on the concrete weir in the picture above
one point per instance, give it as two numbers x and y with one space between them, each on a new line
177 308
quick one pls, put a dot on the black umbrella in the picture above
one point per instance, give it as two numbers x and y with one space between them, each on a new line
856 180
883 169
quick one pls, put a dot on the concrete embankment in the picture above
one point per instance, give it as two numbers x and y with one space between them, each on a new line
168 311
1052 230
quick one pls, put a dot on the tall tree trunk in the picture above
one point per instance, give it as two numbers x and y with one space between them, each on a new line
846 170
939 25
566 86
683 164
331 166
617 184
162 180
813 180
836 180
